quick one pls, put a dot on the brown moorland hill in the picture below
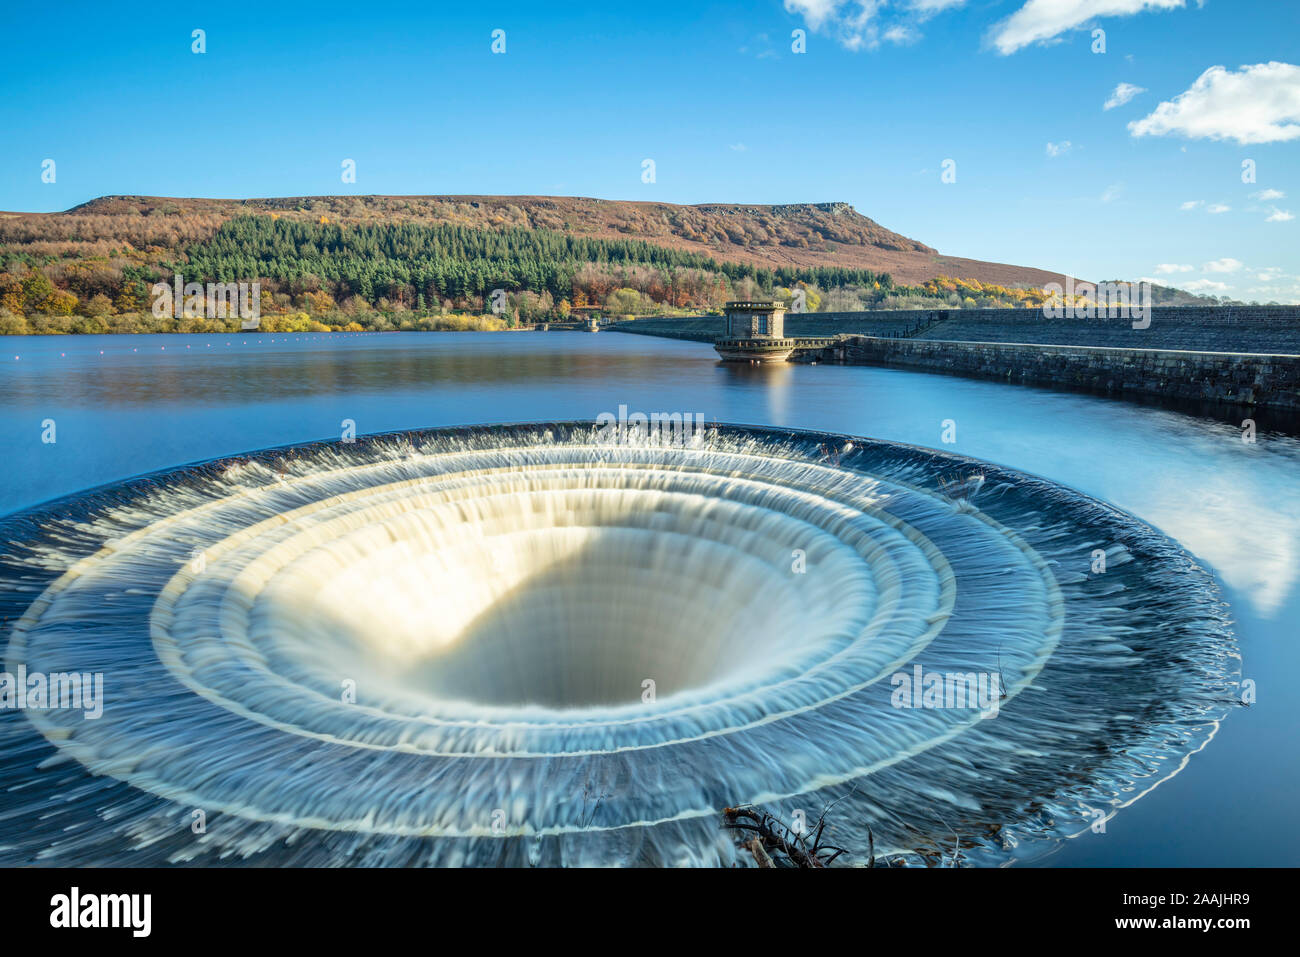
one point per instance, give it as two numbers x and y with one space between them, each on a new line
797 234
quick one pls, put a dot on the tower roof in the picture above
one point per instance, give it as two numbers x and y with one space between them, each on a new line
754 305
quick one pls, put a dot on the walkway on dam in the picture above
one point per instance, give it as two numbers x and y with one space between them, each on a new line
1269 330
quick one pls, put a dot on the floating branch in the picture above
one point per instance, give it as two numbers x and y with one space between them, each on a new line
771 834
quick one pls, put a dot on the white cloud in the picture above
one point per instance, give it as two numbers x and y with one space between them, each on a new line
931 7
1211 208
1201 285
1284 293
1165 268
1267 194
1059 149
814 12
901 33
853 24
1226 264
1112 192
864 24
1041 20
1122 94
1279 216
738 147
1258 104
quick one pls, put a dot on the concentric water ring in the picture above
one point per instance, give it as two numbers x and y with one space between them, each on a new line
528 643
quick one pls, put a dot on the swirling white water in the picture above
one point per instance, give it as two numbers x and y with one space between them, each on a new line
436 648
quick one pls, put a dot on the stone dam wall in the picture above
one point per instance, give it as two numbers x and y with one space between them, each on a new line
1263 329
1246 356
1249 380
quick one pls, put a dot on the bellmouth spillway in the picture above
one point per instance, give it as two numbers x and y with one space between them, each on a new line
530 644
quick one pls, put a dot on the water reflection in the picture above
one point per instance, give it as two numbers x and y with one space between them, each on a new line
772 382
125 405
1234 505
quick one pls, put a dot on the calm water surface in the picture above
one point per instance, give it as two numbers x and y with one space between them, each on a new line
123 405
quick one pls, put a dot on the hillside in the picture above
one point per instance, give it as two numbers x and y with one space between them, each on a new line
378 263
798 236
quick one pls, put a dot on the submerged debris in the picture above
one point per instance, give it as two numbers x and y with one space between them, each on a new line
800 849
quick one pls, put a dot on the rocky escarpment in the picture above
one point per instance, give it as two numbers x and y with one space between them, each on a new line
800 235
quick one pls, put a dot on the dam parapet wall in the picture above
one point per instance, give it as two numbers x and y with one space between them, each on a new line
1245 379
1273 330
1246 356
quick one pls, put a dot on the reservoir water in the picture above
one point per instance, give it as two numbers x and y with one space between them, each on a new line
121 406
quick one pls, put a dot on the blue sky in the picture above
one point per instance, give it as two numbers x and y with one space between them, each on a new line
715 95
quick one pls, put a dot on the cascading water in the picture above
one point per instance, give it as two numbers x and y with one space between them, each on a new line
530 644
